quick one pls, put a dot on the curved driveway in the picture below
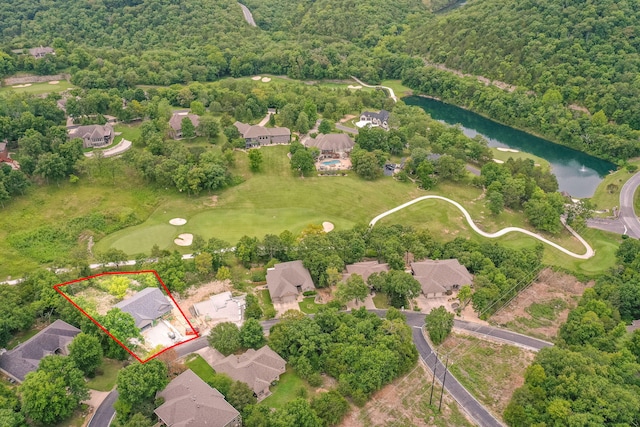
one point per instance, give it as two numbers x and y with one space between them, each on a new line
105 412
588 254
627 212
116 150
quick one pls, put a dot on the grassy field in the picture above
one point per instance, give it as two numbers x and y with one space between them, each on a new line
607 198
288 388
106 375
490 371
200 367
39 88
397 86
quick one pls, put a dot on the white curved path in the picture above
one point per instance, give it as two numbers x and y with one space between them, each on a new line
392 95
589 253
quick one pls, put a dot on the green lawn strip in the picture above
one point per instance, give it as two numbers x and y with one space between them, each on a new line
381 301
487 369
265 300
506 155
201 368
106 375
287 389
606 198
39 88
309 306
130 131
22 336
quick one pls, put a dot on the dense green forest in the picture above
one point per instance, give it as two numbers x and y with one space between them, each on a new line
586 49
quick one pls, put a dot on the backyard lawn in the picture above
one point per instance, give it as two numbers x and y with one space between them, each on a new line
288 388
309 306
381 301
106 375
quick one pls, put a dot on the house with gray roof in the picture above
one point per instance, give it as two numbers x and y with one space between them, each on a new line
365 269
332 144
175 123
189 401
146 306
287 280
25 358
380 119
92 135
438 277
256 368
41 52
257 136
223 307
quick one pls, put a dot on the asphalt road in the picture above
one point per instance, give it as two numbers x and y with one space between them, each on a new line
105 411
627 213
247 15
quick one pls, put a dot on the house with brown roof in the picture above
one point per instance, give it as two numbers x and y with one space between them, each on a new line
257 136
25 358
189 401
41 52
92 135
256 368
287 280
332 144
175 123
365 269
439 277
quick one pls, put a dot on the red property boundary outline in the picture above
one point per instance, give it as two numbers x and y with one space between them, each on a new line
155 273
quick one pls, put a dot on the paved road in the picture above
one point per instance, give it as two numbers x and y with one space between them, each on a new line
247 15
105 412
475 409
503 335
589 250
116 150
627 213
614 225
474 170
346 128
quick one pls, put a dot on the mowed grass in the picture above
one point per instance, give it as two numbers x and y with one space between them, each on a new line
39 88
397 86
605 198
106 375
201 368
267 202
309 306
288 388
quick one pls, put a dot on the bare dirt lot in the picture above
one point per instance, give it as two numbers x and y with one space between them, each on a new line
405 402
540 309
490 371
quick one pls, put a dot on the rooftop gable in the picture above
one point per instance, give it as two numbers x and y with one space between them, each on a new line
435 275
284 278
146 306
257 368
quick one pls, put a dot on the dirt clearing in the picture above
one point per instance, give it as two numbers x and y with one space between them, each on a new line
490 371
540 309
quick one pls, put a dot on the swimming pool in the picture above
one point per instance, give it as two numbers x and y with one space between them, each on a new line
331 162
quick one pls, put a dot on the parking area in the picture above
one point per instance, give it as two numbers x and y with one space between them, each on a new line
281 308
160 335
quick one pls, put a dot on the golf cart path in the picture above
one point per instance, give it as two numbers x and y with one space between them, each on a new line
392 95
589 250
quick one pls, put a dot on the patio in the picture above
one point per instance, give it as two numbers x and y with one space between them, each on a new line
331 164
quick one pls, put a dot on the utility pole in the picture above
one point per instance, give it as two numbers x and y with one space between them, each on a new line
444 379
433 381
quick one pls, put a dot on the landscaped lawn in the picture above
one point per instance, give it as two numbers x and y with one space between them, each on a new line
506 155
106 375
397 86
381 301
288 388
604 198
309 306
265 300
39 88
201 368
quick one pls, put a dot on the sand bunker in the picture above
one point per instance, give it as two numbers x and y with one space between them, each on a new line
498 161
508 150
354 87
256 78
178 221
266 79
54 82
24 85
184 239
327 226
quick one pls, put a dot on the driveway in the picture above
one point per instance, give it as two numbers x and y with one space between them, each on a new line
428 304
281 308
105 412
159 335
116 150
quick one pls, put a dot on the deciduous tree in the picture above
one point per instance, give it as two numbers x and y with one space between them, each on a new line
225 337
86 352
439 323
251 334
